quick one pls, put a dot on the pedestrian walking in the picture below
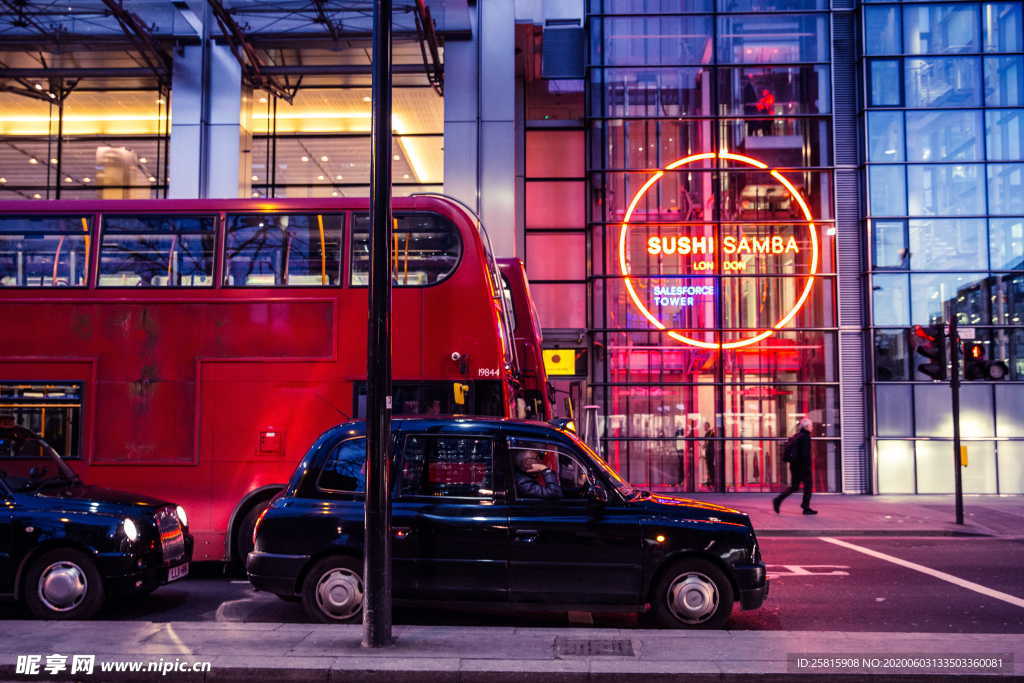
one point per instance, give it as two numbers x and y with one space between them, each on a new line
709 455
797 452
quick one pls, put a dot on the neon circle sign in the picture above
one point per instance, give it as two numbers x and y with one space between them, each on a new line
759 335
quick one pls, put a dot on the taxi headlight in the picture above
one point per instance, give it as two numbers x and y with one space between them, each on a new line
131 531
182 517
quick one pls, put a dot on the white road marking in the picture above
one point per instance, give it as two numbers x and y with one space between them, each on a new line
943 576
804 570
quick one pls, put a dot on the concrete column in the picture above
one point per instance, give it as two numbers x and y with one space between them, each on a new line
480 114
211 140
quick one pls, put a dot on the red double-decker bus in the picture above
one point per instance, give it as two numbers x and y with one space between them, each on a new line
193 350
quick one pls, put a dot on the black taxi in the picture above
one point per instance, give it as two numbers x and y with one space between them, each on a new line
65 546
503 512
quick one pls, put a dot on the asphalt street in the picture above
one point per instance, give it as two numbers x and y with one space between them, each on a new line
817 585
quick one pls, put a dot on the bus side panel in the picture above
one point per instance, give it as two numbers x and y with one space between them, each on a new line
259 419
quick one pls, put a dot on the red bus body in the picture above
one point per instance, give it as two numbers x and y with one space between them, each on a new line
528 335
208 396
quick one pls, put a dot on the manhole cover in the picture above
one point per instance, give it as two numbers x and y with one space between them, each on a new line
573 647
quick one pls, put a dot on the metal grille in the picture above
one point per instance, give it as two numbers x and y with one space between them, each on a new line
573 647
172 540
850 251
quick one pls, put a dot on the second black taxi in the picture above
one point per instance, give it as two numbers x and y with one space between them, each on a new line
503 512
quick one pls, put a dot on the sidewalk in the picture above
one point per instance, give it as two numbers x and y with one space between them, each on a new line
849 515
311 652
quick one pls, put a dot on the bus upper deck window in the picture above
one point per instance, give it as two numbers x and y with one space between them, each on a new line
157 251
283 250
44 251
426 249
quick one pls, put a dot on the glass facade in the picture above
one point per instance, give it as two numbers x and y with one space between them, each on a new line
711 281
946 230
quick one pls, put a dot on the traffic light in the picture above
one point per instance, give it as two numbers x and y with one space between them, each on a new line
931 343
976 366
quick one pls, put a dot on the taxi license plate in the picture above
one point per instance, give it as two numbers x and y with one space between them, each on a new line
179 572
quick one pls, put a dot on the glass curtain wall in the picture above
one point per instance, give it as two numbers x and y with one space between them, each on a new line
944 129
86 139
712 283
319 145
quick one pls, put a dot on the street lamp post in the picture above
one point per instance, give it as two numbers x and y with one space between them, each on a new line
377 540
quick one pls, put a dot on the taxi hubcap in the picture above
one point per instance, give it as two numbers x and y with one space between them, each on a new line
693 598
62 586
339 593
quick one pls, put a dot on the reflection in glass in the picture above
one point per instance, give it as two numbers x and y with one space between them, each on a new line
157 251
290 250
1005 189
1006 243
882 30
426 249
943 82
948 244
889 300
44 251
1004 81
780 143
652 92
890 244
1005 130
941 190
645 41
774 90
934 297
944 135
884 77
940 29
891 350
885 133
888 193
1001 26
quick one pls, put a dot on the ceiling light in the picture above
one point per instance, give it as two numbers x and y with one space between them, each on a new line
320 177
68 179
352 165
305 158
39 86
160 100
405 176
263 100
255 193
152 179
33 160
53 161
334 194
37 196
87 179
339 177
143 160
367 98
3 181
255 177
397 158
51 95
323 158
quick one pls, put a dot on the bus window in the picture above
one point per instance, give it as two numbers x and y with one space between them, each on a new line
45 409
44 251
283 250
157 251
425 250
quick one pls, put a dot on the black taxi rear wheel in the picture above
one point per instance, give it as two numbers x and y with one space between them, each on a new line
693 593
63 584
333 591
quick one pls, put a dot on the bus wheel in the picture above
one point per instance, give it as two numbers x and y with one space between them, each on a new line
333 590
694 594
243 540
63 584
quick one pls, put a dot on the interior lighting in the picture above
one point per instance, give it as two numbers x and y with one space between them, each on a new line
324 158
339 177
67 179
143 160
334 194
37 196
53 160
624 265
263 100
152 179
405 176
367 98
87 179
320 177
305 158
255 177
33 160
397 157
39 86
3 181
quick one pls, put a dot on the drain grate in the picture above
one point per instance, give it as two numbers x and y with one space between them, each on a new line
579 647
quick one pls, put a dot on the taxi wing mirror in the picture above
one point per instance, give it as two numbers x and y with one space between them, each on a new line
597 494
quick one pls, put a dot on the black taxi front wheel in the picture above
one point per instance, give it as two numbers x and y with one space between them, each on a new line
63 584
333 591
693 593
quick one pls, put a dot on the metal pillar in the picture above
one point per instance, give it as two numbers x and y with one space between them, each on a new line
954 385
377 541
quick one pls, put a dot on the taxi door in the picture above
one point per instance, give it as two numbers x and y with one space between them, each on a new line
7 562
566 548
457 520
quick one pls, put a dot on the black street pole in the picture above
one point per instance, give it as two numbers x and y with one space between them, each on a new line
377 541
954 385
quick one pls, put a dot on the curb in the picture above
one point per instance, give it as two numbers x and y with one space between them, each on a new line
781 533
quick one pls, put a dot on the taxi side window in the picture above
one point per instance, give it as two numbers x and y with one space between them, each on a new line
461 467
344 468
543 470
